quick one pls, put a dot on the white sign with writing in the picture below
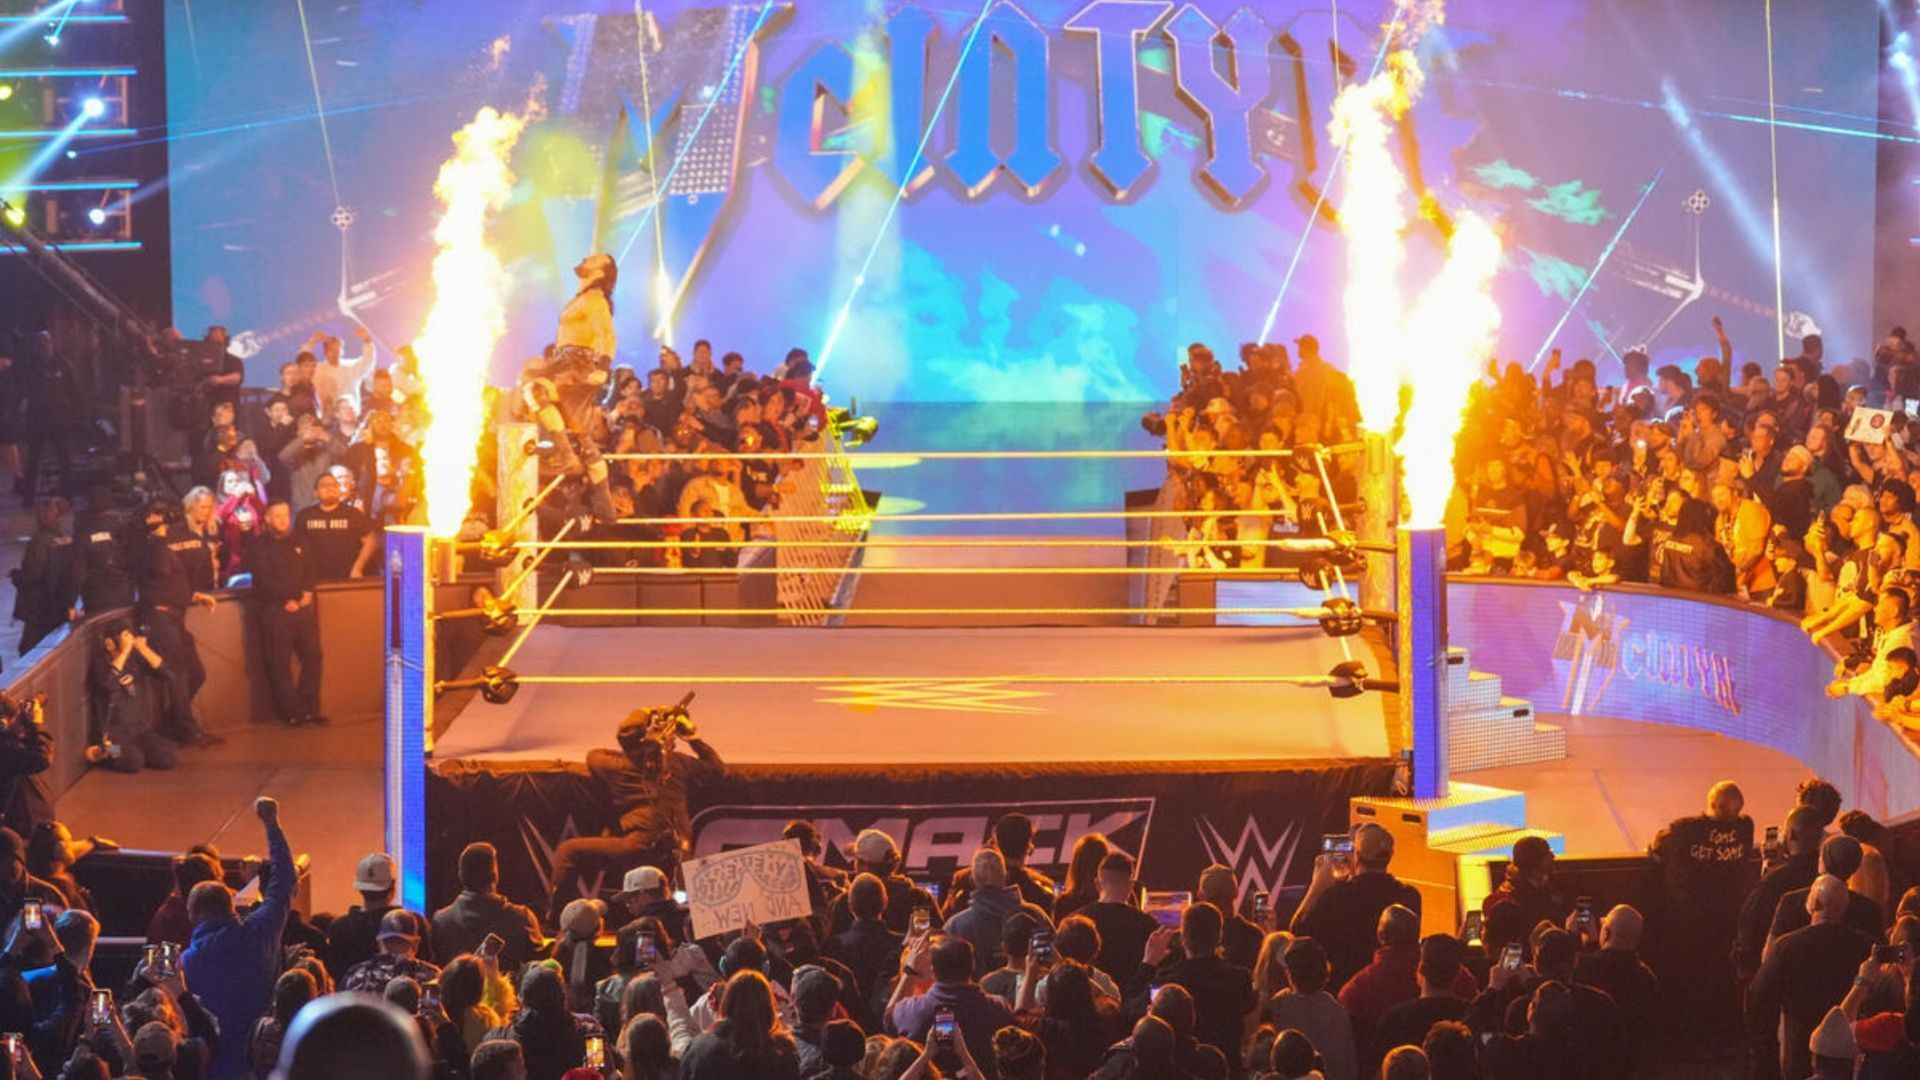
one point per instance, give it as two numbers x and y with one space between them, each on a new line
762 884
1869 425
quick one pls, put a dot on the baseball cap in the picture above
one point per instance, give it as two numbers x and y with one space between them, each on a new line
404 925
873 846
374 874
642 879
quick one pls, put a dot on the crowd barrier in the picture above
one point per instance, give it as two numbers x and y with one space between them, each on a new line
1636 652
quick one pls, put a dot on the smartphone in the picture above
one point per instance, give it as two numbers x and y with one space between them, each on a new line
151 957
1040 946
1583 912
941 1033
1510 956
680 897
1262 910
596 1057
170 957
31 917
1336 844
1890 954
1471 928
920 921
100 1007
933 889
493 945
646 950
1153 991
430 1000
1772 842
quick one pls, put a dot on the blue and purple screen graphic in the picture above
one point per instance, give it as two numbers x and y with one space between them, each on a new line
1024 200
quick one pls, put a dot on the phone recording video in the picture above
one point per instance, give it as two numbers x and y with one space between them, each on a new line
1040 946
920 921
942 1031
1510 956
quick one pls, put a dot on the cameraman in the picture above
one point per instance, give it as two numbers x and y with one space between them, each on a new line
121 677
165 595
647 784
26 752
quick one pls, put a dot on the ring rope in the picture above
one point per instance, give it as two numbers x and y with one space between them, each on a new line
989 455
1003 515
882 542
534 504
910 680
669 571
612 613
539 613
527 570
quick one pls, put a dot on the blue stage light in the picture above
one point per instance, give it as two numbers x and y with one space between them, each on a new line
94 107
97 216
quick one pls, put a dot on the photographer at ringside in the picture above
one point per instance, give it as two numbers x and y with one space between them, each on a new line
26 753
123 675
647 783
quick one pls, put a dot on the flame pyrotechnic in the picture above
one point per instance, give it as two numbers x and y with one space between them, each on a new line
1440 347
469 311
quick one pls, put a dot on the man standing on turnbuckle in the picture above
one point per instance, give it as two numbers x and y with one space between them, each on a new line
562 390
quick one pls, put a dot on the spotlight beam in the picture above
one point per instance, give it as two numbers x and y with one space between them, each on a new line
1605 254
13 35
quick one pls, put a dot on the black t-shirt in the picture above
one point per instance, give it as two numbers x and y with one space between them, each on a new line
1124 930
228 364
333 538
163 580
196 555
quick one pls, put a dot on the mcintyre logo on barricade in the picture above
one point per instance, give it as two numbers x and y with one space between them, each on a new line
1595 645
763 884
934 840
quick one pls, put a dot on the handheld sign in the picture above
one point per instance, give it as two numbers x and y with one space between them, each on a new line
762 884
1869 425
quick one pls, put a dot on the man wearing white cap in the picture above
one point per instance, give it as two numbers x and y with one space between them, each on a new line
874 852
645 893
351 937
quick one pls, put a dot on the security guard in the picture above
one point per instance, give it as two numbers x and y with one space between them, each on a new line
165 595
339 537
283 578
42 600
198 552
99 570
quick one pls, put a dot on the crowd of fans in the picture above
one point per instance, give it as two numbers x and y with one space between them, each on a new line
1795 953
1723 481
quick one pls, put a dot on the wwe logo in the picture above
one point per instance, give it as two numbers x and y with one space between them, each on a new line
1257 863
540 856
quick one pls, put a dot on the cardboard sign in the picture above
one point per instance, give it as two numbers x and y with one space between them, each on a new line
762 884
1869 425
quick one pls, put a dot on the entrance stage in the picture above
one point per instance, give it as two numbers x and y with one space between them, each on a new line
932 734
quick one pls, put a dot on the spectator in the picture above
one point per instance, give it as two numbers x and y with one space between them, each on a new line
816 995
233 962
748 1044
937 975
824 882
1239 938
1342 907
398 957
1840 856
352 938
498 1059
551 1039
582 966
480 910
1082 886
1305 1006
1804 973
1525 897
1452 1052
1078 1020
1801 839
1406 1063
1123 927
1016 938
1439 974
1222 991
1013 839
1702 860
346 1035
291 993
867 946
1616 970
1391 978
990 900
875 853
170 922
339 536
307 457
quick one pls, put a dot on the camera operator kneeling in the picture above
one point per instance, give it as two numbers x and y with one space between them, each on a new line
123 677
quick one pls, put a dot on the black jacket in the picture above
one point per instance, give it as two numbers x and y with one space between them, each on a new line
282 569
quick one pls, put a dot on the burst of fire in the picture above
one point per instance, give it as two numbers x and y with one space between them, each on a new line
1440 347
468 316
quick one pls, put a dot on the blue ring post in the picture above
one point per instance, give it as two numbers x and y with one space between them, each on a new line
1422 632
409 675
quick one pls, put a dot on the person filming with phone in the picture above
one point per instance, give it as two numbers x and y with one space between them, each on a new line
1350 888
647 782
